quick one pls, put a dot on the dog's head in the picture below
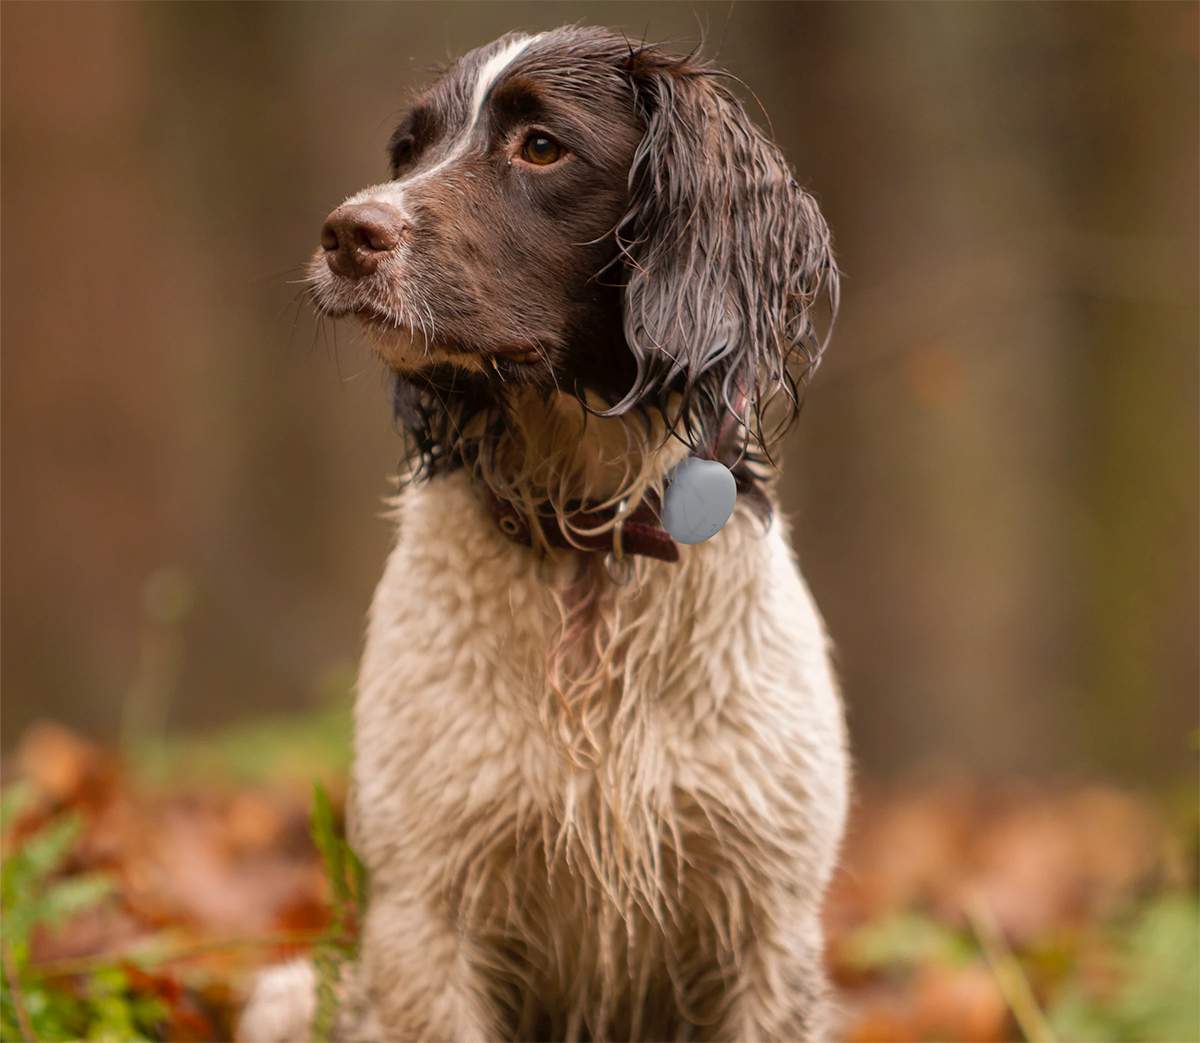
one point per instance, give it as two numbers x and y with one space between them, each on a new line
570 214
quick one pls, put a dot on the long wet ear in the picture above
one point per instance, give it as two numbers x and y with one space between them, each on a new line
726 257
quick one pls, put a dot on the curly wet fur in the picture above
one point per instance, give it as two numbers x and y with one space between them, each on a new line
596 802
725 257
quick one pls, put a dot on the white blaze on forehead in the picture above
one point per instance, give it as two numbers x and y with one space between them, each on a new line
392 193
492 69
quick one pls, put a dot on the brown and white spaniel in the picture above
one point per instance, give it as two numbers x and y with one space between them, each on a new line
600 778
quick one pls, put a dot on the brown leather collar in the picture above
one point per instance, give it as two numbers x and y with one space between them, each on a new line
641 532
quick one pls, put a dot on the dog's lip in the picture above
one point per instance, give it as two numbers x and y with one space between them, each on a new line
518 352
370 313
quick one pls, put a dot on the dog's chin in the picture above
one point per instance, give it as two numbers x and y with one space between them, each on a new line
407 351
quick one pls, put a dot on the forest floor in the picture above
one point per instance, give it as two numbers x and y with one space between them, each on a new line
141 893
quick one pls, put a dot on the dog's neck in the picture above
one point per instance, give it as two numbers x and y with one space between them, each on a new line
529 445
554 454
561 451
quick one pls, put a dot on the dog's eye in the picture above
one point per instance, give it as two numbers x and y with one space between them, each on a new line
541 150
403 151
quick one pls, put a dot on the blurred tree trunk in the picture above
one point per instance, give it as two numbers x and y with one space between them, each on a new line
1135 279
945 526
1006 550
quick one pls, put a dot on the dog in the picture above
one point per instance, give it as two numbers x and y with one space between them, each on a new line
600 778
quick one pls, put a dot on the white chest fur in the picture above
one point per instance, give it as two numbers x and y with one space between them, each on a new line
722 697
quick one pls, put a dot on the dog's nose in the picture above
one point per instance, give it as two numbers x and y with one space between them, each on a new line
356 236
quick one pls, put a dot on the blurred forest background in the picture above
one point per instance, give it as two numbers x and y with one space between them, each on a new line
995 485
995 479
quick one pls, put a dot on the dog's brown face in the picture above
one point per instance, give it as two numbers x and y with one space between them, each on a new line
573 213
484 251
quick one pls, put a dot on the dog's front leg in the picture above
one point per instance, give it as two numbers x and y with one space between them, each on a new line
417 979
782 993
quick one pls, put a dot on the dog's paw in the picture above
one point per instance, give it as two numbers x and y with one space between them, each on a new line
281 1006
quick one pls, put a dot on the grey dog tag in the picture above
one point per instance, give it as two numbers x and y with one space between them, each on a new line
699 500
